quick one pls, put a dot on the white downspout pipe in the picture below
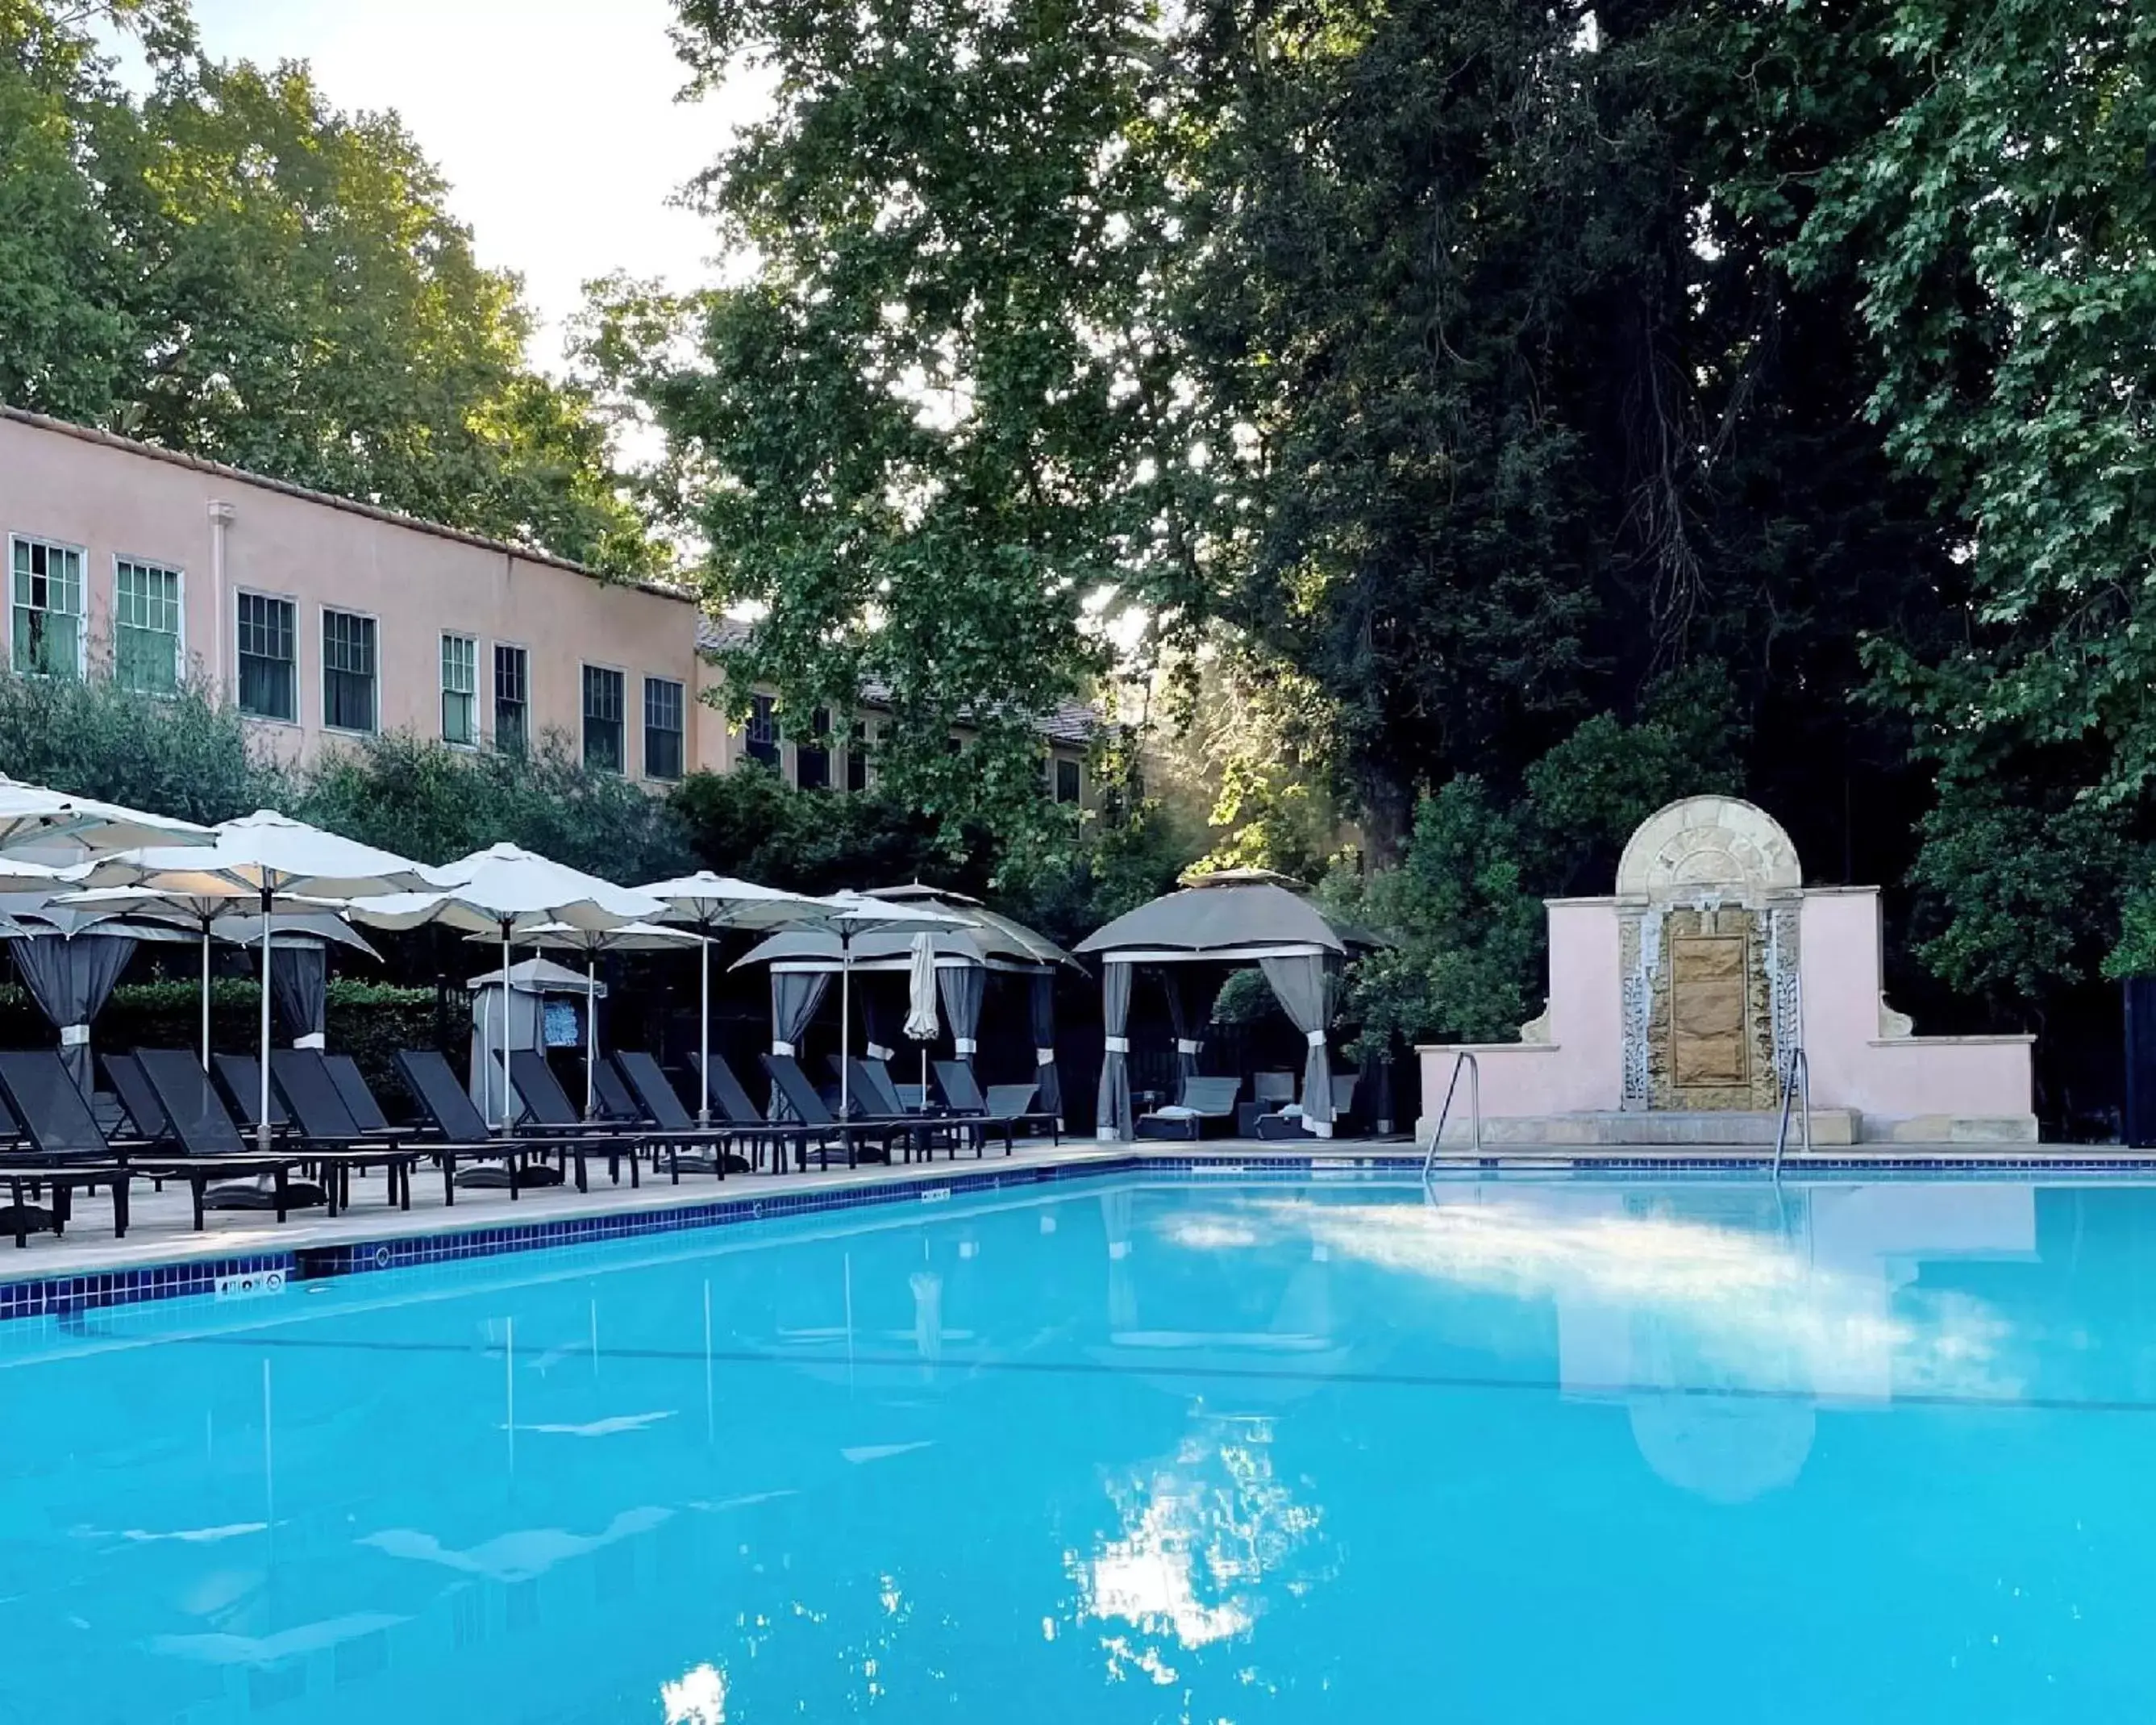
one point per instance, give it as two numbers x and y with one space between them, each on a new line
222 622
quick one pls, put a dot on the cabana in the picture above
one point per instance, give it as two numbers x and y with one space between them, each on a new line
803 960
522 992
1235 917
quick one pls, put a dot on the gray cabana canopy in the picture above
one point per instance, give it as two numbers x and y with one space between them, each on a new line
963 955
1237 916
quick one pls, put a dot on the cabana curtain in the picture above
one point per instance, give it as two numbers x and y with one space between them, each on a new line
299 984
1041 989
961 987
1304 990
1185 1014
879 1018
795 995
71 979
1112 1109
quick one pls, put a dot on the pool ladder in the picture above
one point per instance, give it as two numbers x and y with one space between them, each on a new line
1796 1086
1466 1062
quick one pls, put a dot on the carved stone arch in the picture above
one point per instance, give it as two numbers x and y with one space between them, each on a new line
1709 845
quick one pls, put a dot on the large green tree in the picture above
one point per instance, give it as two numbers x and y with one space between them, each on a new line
917 435
230 266
2000 214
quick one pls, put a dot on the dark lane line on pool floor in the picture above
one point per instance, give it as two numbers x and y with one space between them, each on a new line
961 1365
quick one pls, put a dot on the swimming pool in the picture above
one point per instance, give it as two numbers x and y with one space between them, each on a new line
1138 1448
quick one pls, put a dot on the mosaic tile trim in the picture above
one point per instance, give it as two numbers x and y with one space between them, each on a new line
60 1295
48 1297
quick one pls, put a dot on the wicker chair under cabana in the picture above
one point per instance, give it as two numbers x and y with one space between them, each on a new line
1234 917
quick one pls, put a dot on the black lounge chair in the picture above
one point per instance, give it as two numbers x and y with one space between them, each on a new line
352 1091
792 1084
731 1104
209 1147
302 1079
511 1161
658 1103
65 1152
547 1107
1005 1106
875 1097
145 1113
334 1148
239 1076
1205 1104
616 1103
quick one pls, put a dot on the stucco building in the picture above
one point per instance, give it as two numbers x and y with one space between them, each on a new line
326 619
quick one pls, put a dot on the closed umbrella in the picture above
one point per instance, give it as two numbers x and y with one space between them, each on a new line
921 1024
268 858
629 938
507 891
712 904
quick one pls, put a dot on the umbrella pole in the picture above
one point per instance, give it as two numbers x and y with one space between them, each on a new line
845 1027
704 1035
205 991
504 1062
262 1118
591 1027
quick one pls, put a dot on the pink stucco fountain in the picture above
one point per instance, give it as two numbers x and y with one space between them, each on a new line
1676 1005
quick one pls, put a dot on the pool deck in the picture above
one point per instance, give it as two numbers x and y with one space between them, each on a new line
160 1231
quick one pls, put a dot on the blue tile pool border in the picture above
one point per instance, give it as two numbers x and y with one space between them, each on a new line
61 1295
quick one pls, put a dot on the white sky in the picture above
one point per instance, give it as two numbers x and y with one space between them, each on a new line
554 121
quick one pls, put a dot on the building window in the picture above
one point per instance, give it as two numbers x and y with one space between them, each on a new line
460 690
603 745
811 760
145 627
662 728
512 699
857 758
347 671
763 733
47 607
1069 781
269 675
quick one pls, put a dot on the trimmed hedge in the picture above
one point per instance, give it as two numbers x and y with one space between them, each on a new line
368 1020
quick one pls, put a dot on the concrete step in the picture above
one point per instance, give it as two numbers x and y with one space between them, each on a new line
1730 1129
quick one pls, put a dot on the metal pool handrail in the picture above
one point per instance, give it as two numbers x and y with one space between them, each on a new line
1474 1070
1796 1078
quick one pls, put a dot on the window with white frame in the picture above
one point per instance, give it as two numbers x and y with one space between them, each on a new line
512 699
348 671
47 582
145 627
602 704
268 661
460 690
662 728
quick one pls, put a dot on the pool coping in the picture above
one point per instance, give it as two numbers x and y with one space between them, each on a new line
439 1239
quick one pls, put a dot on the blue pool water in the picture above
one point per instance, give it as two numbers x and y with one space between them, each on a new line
1128 1450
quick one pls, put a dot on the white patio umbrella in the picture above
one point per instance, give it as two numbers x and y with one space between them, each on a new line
711 904
34 819
217 916
629 938
24 875
507 891
268 858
